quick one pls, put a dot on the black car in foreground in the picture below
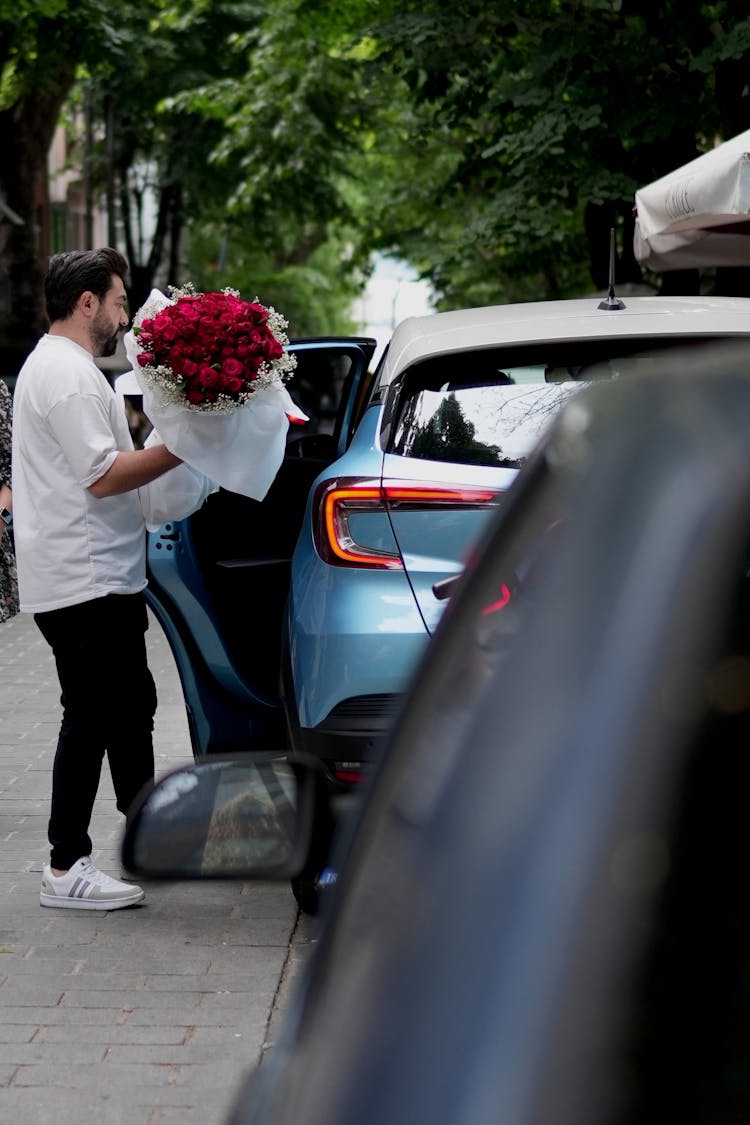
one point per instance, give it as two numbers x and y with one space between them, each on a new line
542 915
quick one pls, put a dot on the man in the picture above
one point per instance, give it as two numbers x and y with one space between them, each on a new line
80 546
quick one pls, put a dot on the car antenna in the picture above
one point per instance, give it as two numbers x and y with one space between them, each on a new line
612 303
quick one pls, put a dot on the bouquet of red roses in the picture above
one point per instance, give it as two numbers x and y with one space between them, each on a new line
212 370
211 351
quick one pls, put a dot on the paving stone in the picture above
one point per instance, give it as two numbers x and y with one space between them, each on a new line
150 1016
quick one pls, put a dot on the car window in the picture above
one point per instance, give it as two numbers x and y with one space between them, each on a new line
493 425
317 385
490 407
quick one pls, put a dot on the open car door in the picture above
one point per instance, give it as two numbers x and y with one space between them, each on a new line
218 580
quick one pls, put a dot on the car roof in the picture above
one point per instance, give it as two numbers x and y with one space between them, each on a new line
420 337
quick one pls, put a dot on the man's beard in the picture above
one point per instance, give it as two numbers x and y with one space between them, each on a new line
104 341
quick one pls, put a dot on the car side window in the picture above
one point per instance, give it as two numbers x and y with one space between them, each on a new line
317 385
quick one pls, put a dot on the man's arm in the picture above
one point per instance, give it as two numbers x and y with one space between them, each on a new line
134 468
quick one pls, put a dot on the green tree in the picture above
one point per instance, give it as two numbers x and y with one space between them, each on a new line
450 436
178 127
49 51
40 46
490 145
536 122
314 295
150 158
291 130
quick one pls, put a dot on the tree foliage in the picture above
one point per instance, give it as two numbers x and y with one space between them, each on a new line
291 128
450 436
536 123
254 213
40 46
493 146
490 145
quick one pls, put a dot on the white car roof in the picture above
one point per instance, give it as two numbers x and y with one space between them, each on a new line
419 337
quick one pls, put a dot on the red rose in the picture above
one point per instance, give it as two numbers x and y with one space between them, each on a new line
209 377
233 385
256 313
187 307
164 328
231 367
194 397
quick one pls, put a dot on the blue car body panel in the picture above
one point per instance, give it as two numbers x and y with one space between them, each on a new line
355 632
352 631
436 544
352 636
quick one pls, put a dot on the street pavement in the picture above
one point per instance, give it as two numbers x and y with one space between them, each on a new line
147 1016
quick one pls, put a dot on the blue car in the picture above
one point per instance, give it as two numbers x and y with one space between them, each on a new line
296 622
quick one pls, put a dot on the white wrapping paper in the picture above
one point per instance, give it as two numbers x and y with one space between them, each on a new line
174 495
240 451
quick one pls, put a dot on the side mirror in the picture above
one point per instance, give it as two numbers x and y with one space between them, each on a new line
249 816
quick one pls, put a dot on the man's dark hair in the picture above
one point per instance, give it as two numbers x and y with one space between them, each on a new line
74 272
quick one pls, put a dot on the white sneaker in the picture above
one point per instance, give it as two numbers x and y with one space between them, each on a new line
85 887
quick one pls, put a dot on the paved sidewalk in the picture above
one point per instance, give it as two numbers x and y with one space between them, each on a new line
147 1016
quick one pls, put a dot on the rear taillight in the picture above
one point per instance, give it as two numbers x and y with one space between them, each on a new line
504 596
348 772
337 502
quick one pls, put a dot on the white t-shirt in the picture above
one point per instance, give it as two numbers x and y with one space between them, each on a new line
68 426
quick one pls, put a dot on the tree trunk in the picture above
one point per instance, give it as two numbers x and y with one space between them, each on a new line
26 131
169 219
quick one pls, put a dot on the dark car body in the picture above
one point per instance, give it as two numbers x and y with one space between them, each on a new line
541 916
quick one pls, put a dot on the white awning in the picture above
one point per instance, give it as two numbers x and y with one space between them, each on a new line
699 215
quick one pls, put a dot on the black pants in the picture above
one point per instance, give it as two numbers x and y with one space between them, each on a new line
109 701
